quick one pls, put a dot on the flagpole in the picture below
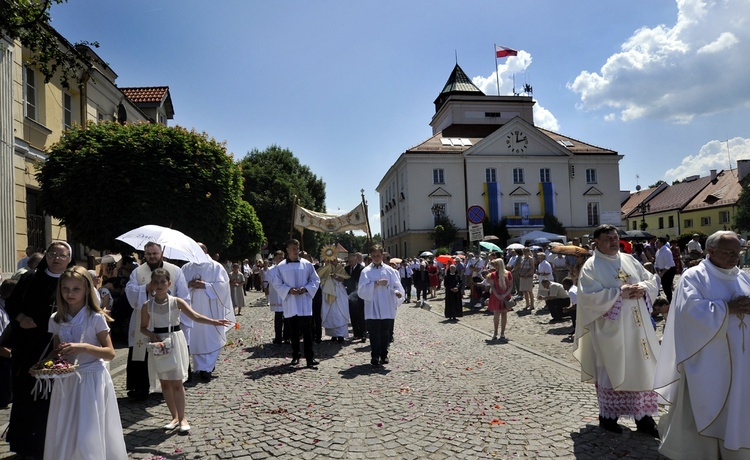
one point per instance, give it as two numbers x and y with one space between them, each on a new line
294 215
497 73
367 221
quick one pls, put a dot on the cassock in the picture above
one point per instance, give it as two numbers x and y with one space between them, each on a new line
615 340
215 302
381 302
289 275
704 368
335 307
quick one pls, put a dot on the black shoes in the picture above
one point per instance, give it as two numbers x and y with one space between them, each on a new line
647 425
205 376
294 362
312 364
610 424
375 362
138 395
384 360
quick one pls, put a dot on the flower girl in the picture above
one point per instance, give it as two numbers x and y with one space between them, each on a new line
84 420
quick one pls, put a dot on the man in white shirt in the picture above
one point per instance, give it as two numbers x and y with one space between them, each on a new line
694 245
543 268
556 298
703 370
664 266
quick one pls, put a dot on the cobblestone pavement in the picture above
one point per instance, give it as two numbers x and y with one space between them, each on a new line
448 392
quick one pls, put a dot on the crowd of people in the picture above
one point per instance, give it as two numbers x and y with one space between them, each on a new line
610 291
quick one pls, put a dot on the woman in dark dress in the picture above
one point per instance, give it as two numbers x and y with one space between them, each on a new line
453 289
29 309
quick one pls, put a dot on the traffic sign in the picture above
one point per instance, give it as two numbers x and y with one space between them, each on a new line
476 214
476 232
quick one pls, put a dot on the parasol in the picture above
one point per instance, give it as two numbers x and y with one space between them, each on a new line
570 251
175 244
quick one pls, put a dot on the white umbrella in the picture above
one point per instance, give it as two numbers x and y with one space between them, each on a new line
175 244
516 246
426 254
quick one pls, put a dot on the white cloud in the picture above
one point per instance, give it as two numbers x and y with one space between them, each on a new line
698 66
515 65
713 155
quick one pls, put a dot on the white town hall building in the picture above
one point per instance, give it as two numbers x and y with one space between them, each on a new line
486 151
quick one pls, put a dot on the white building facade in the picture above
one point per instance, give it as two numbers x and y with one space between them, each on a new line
485 151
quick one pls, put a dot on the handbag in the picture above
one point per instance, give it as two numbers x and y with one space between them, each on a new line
510 303
162 353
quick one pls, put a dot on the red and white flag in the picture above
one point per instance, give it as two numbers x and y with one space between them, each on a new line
504 51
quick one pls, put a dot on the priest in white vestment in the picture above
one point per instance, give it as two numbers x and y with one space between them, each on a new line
296 283
335 306
704 367
210 296
138 381
380 287
615 339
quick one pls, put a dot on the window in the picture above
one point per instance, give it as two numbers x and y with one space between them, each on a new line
688 223
723 217
517 208
591 176
490 175
635 225
67 111
705 221
518 176
592 211
29 80
438 176
544 175
661 222
671 221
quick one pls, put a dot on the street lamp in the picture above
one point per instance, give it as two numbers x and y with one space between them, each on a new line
643 208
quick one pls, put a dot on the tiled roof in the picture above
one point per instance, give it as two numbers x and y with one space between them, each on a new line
677 196
459 82
722 192
147 94
574 145
636 199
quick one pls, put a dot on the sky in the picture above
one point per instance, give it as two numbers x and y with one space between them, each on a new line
348 86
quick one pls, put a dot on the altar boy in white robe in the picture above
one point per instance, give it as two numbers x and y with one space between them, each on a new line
296 282
704 366
380 287
615 340
210 296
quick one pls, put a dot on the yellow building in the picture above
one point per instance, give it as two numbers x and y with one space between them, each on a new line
715 207
34 116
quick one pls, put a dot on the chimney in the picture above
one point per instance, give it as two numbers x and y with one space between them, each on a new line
713 175
743 168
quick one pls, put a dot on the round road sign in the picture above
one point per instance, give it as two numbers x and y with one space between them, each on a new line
476 214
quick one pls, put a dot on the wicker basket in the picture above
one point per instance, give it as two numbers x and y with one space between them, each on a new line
53 373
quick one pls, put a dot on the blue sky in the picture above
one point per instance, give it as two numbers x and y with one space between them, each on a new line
349 85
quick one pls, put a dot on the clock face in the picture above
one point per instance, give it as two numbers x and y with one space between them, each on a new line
517 141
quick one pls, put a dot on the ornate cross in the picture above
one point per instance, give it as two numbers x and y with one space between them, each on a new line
622 276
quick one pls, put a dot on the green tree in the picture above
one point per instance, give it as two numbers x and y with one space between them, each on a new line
445 232
28 22
107 178
742 218
247 234
272 178
553 225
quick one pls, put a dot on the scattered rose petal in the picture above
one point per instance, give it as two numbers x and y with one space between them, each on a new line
379 425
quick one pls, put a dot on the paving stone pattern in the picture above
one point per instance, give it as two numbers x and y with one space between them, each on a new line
449 392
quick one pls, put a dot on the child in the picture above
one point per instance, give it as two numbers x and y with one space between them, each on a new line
83 420
166 323
237 288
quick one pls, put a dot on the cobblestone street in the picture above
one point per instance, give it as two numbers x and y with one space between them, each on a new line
448 392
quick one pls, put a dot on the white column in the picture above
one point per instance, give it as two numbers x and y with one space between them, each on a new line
7 178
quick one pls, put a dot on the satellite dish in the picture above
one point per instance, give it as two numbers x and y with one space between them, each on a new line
637 188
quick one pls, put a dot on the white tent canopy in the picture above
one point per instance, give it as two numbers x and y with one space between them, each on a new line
538 234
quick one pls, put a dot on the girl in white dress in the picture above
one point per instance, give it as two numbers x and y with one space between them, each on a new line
83 421
166 323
